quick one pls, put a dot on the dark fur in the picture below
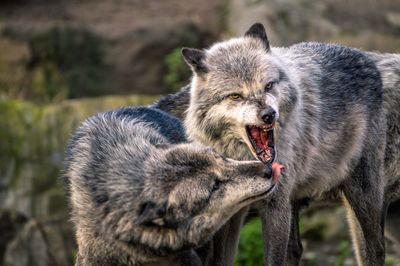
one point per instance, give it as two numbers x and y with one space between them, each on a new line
175 104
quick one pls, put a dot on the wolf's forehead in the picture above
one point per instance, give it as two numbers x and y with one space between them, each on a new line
233 65
238 61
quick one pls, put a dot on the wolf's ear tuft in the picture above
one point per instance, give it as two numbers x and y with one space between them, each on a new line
151 213
257 30
195 59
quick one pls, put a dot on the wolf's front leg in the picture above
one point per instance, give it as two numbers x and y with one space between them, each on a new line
226 240
276 221
295 248
364 201
188 258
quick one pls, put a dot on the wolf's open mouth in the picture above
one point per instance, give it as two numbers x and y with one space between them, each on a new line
262 140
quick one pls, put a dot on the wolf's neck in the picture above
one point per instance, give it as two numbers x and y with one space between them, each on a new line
227 145
234 149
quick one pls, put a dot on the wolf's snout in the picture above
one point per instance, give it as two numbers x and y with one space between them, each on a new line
267 171
268 116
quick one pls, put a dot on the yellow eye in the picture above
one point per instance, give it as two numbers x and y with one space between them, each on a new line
235 96
269 86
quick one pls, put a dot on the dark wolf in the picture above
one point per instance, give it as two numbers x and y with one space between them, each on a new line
328 113
141 195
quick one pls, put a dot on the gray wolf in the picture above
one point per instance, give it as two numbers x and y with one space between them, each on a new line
318 109
141 195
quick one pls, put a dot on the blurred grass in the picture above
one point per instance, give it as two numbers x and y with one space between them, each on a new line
31 130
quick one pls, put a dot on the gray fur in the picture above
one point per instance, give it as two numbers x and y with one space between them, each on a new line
141 195
389 67
335 124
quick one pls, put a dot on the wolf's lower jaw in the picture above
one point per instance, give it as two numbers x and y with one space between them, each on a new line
261 195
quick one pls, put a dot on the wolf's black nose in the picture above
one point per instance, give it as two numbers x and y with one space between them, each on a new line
267 171
268 116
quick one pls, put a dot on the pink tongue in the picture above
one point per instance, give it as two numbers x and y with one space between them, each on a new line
276 171
264 139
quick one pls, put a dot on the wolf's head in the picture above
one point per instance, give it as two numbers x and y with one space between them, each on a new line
190 192
241 92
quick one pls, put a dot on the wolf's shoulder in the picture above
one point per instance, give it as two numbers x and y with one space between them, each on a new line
351 64
165 124
329 53
175 104
323 47
342 73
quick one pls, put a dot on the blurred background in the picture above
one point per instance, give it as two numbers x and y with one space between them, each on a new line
62 61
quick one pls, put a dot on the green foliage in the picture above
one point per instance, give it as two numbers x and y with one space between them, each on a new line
69 61
390 261
344 253
48 84
178 72
17 120
312 261
32 132
57 201
250 251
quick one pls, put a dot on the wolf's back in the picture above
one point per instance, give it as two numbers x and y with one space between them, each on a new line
125 135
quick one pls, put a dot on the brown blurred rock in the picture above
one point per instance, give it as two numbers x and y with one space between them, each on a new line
41 244
394 19
138 34
286 21
11 223
139 57
367 24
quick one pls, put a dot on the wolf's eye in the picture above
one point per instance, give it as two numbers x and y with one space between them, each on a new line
217 185
235 96
269 86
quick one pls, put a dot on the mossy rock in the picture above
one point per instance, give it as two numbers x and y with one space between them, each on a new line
68 60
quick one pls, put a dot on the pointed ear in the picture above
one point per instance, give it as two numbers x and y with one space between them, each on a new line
151 213
195 59
258 31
